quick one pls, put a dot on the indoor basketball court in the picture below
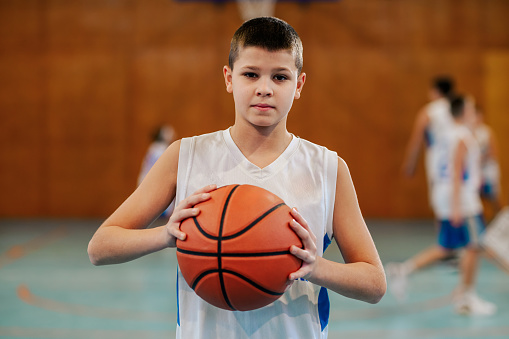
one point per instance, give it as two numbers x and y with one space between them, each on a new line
84 84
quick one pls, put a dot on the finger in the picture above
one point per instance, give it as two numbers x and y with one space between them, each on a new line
206 189
303 272
306 236
300 219
194 199
182 214
177 233
302 254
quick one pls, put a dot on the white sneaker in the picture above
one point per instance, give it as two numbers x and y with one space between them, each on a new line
398 281
471 304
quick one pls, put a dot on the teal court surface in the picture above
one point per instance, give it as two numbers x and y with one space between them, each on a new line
49 289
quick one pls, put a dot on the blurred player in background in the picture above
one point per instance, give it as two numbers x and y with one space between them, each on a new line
432 121
162 137
490 186
431 125
458 209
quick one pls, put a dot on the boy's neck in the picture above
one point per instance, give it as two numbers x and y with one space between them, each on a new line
260 145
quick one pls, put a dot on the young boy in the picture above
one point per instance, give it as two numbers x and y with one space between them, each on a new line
264 75
457 206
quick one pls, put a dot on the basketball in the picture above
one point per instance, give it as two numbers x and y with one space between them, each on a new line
237 252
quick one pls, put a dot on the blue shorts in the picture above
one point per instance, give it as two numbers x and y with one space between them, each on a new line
468 234
488 190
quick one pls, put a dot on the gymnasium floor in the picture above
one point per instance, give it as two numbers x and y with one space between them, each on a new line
49 289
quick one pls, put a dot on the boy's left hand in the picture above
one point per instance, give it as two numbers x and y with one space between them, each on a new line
306 254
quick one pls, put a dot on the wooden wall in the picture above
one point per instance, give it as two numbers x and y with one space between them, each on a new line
83 83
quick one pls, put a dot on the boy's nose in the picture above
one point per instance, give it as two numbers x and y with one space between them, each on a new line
264 88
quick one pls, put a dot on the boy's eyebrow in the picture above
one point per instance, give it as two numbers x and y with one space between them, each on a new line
256 68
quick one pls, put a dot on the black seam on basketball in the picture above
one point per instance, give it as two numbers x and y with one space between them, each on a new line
244 230
219 254
201 276
252 283
251 255
202 231
234 255
256 221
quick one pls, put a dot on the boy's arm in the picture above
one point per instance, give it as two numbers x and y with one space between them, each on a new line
457 178
362 276
124 236
415 143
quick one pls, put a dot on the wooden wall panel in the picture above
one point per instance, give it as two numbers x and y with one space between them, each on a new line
22 132
496 108
87 153
83 84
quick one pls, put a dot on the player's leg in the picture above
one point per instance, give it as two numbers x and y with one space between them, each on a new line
398 272
467 300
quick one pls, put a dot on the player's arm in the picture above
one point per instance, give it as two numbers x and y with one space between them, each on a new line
124 236
362 276
457 178
493 153
415 143
492 146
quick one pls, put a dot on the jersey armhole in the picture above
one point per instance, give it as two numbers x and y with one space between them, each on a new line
331 174
184 166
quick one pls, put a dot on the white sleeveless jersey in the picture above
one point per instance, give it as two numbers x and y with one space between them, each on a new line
470 201
489 165
304 176
440 121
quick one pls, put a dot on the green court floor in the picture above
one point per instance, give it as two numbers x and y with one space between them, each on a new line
49 289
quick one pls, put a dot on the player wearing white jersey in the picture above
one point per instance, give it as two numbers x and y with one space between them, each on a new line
439 122
457 206
304 176
264 75
469 202
490 186
430 127
430 124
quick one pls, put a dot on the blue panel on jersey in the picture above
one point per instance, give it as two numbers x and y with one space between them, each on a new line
323 307
428 138
178 308
326 242
466 174
323 296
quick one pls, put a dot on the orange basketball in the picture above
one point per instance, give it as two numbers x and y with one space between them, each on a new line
237 252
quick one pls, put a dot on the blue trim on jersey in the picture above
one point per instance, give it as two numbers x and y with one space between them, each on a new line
428 138
323 296
488 190
178 308
326 242
466 174
323 308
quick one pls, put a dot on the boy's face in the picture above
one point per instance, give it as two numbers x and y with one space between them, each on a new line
264 85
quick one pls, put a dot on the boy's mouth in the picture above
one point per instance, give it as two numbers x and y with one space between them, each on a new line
263 107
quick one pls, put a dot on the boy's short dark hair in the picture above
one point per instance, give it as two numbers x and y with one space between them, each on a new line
444 84
266 32
457 106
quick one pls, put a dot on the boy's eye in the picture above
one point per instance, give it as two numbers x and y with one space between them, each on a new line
250 75
280 77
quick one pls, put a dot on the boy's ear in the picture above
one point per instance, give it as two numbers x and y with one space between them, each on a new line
227 72
300 83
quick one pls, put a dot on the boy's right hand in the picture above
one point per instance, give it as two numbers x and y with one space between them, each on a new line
186 209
